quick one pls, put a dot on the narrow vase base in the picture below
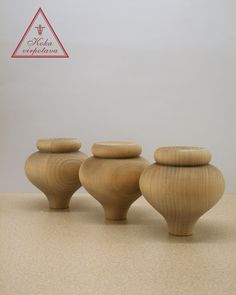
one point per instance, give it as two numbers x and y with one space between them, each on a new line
180 229
116 214
58 207
180 234
59 204
116 218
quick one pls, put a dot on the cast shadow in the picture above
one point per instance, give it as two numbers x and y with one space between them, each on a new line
151 226
40 203
205 231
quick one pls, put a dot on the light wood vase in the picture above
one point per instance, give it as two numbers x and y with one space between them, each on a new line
111 176
182 186
54 169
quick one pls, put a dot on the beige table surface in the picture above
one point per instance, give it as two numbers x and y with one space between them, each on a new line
76 252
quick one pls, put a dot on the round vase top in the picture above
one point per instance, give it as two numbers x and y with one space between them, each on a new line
58 145
182 156
116 149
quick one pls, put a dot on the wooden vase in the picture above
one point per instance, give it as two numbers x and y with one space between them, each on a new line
182 186
111 176
54 169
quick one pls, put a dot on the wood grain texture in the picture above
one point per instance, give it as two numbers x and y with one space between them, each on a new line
116 149
58 145
113 182
56 174
182 193
182 156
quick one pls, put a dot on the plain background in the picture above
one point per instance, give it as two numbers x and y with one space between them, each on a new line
159 72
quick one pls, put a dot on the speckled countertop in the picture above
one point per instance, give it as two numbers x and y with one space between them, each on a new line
76 252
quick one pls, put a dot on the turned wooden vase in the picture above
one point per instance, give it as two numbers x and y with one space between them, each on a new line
182 186
111 176
54 169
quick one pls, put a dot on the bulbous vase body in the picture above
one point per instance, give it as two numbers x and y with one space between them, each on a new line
54 170
182 186
112 176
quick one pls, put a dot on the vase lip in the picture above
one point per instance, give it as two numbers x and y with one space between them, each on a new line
58 145
116 149
182 155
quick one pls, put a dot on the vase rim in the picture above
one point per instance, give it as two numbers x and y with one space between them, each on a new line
116 149
58 145
182 155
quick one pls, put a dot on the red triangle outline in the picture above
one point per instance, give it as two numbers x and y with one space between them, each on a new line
54 34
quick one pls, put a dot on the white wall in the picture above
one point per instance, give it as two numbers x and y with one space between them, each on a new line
159 72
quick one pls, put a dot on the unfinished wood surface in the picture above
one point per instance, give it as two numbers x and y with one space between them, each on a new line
58 145
56 173
113 182
182 193
116 149
182 156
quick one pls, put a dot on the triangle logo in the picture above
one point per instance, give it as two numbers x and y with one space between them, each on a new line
40 40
